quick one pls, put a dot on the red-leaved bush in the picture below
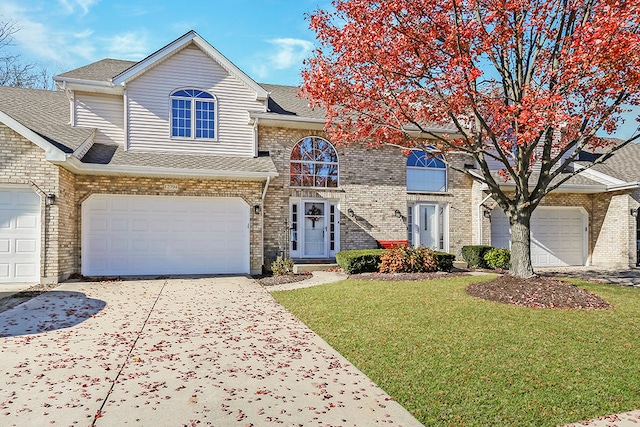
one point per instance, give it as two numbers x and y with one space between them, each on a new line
403 259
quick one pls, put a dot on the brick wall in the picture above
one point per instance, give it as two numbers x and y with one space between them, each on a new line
372 183
23 163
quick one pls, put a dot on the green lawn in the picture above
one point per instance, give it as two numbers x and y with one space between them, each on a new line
455 360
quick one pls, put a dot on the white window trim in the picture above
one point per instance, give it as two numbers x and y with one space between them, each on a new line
314 162
214 100
446 178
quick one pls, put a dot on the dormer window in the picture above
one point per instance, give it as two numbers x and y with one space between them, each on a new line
193 114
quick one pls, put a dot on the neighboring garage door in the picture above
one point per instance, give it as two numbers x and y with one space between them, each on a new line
149 235
19 235
557 235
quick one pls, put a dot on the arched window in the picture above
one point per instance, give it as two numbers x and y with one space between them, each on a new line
314 163
426 172
193 114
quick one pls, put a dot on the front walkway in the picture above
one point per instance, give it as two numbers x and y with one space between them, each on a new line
628 277
211 351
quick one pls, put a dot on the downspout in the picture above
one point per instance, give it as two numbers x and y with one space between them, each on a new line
480 218
264 194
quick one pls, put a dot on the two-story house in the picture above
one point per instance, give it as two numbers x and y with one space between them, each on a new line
182 164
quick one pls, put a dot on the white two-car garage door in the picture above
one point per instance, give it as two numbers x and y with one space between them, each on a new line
149 235
19 235
558 235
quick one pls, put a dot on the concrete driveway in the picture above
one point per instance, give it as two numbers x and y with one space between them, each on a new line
211 351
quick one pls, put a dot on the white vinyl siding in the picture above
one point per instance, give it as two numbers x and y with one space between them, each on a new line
103 112
149 106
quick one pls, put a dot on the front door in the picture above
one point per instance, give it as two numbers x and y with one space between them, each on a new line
314 230
430 226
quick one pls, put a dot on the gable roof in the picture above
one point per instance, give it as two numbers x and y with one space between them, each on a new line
100 71
43 112
624 164
113 74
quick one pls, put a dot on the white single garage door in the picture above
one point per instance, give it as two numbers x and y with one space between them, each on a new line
149 235
558 235
19 235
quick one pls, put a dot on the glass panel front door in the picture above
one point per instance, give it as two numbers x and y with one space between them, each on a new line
428 226
315 229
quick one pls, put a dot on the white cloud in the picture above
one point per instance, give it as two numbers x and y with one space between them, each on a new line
131 45
286 53
290 52
84 5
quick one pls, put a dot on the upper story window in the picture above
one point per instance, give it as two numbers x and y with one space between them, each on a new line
426 172
193 114
314 163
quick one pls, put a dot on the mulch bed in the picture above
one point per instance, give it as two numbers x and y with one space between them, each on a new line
281 279
537 292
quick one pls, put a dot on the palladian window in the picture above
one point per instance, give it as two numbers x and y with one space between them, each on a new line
314 163
193 114
426 172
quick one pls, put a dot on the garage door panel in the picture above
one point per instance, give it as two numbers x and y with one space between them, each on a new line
19 235
166 235
557 236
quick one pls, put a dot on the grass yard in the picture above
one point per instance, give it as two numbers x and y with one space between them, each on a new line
455 360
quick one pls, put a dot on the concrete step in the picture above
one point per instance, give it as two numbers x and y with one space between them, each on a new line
307 268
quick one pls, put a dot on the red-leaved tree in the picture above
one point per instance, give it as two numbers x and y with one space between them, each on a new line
525 83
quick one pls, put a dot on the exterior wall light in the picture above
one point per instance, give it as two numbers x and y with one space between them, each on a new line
351 213
50 199
256 209
486 214
397 213
634 212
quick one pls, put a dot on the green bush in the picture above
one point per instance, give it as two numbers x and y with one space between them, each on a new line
474 255
282 266
444 260
403 259
359 261
498 258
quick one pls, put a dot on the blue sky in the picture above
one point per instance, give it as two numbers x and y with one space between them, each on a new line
267 39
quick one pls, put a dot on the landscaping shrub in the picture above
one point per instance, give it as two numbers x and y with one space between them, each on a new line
403 259
359 261
282 266
444 261
474 255
498 258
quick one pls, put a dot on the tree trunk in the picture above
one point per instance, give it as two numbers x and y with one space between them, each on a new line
520 222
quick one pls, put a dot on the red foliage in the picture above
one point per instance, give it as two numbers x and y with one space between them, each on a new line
505 73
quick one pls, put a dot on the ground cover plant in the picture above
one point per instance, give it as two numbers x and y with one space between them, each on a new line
456 360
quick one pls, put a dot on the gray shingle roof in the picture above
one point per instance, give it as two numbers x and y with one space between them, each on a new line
102 70
115 155
624 164
46 113
577 180
285 100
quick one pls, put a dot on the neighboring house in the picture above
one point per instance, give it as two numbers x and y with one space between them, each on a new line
182 164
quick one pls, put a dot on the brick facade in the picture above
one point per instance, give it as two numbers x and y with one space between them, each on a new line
23 164
372 184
